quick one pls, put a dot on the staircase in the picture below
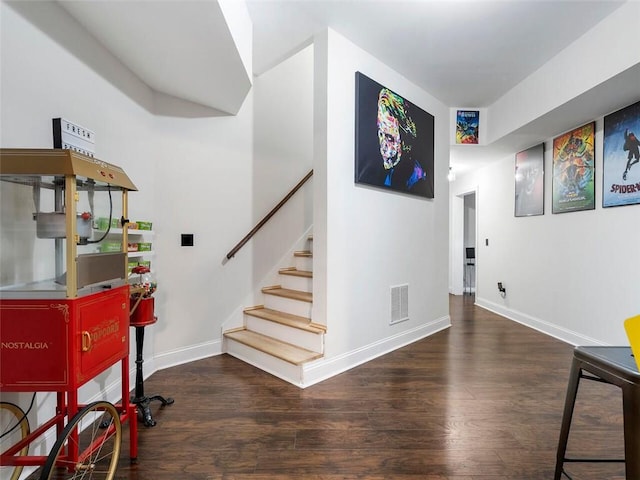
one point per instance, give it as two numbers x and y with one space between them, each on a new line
279 336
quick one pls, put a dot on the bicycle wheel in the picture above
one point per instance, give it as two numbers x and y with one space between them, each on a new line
14 426
98 448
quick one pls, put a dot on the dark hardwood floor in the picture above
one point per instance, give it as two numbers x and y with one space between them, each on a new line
482 400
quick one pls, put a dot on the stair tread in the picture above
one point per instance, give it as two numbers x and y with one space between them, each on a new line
283 351
289 293
284 318
295 272
303 253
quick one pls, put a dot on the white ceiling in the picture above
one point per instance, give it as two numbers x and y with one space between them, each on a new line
179 48
466 53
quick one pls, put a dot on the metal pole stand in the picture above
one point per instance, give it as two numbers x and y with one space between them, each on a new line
142 314
141 400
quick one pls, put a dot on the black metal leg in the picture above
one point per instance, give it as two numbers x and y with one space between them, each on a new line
631 408
140 399
569 404
139 361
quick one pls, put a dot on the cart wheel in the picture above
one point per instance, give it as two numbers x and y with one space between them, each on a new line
98 448
14 426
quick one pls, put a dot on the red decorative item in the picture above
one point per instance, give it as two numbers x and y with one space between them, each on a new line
140 269
142 312
143 286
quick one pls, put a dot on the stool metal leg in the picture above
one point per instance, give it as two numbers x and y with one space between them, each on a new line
569 404
464 281
631 409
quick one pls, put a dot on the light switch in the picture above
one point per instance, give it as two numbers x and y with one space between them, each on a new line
186 240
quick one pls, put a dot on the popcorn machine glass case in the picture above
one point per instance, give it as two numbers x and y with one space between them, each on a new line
64 297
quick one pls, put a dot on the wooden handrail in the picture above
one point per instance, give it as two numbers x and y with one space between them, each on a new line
260 224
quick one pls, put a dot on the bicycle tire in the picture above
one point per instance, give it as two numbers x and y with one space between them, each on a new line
17 415
98 464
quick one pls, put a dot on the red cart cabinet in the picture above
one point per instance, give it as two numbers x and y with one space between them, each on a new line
64 297
60 344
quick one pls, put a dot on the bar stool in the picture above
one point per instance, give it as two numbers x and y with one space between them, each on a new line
616 366
470 254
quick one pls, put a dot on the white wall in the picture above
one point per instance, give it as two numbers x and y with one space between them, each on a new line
571 275
41 80
283 155
204 187
365 239
282 152
195 173
602 53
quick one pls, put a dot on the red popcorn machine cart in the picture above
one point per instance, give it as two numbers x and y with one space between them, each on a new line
64 308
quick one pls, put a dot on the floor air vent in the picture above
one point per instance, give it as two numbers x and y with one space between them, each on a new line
399 303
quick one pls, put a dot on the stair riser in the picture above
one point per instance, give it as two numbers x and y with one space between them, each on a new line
288 305
295 336
279 368
294 282
304 263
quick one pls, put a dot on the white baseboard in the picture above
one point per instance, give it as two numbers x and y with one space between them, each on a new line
184 355
323 369
563 334
314 372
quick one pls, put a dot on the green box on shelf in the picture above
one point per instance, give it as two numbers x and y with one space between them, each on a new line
144 247
144 225
110 247
102 223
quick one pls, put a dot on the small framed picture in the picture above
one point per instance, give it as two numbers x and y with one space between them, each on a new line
574 170
467 126
621 157
529 176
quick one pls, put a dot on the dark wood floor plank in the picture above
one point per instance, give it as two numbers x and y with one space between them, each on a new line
482 400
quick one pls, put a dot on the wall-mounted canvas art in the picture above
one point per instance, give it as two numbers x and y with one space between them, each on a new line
621 157
467 126
394 141
529 175
574 170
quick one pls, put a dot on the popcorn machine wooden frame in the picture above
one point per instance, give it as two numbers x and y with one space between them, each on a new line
58 334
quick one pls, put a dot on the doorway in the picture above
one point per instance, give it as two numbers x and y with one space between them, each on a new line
463 235
469 242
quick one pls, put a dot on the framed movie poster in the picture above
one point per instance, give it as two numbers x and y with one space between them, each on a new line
574 170
529 174
394 141
467 124
621 154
